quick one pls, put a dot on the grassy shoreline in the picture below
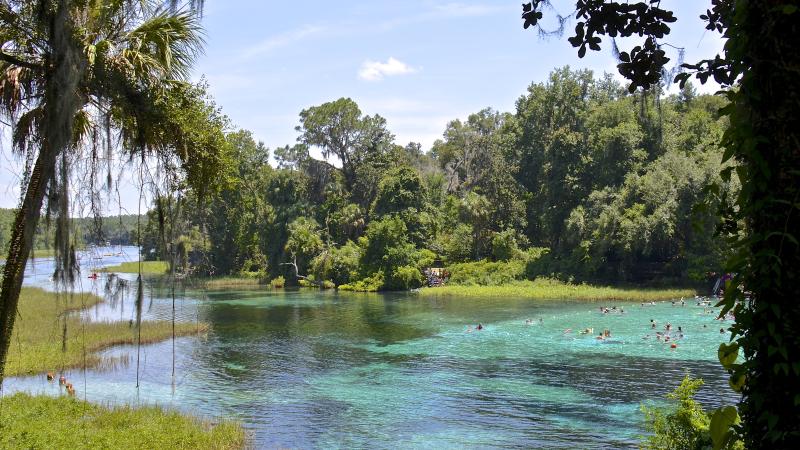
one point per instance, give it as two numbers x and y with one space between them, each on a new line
148 267
232 282
63 422
38 336
548 289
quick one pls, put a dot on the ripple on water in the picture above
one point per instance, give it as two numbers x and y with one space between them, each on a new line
308 369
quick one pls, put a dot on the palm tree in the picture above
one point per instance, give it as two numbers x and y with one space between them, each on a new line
84 75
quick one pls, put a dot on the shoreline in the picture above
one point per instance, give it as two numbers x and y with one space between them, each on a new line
547 289
41 351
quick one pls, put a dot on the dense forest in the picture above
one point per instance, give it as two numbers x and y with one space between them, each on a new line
116 230
584 181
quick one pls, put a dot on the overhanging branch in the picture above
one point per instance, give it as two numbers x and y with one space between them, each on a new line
11 59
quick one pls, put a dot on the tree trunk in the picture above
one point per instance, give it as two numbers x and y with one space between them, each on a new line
62 101
767 108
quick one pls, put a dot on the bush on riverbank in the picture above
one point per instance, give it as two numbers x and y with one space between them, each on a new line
38 334
278 282
62 422
486 273
551 289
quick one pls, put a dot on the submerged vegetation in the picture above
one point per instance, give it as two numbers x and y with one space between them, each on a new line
63 422
49 338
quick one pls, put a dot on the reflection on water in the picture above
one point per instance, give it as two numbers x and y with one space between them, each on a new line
309 369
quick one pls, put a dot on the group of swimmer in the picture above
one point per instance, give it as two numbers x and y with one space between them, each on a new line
668 335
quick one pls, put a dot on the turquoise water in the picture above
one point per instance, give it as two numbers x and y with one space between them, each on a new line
326 370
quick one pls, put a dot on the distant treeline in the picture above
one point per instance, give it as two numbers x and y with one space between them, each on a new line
583 181
116 230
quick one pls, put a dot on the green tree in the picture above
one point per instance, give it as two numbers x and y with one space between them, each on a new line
758 76
65 63
339 129
304 243
400 189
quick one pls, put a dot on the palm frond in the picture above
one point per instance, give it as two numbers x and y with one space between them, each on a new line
165 45
26 130
16 88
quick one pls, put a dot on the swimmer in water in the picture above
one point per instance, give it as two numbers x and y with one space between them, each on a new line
600 337
479 327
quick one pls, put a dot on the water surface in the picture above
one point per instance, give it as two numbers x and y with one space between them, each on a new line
308 369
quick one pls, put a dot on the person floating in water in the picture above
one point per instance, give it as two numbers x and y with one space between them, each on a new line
479 327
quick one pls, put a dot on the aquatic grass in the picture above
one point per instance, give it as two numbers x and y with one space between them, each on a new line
36 343
63 422
550 289
148 267
232 282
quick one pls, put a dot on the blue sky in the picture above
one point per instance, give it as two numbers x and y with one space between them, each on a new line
418 63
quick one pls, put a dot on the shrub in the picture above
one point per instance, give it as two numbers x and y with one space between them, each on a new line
504 245
486 273
683 425
457 244
278 282
408 276
372 283
340 265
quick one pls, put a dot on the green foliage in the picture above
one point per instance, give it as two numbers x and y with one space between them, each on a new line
385 249
400 189
372 283
581 182
684 425
457 244
339 265
757 79
486 273
408 277
504 245
304 241
278 282
64 422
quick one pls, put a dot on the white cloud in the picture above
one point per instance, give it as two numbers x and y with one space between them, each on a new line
282 40
376 70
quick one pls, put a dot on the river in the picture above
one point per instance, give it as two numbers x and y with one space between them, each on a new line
310 369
